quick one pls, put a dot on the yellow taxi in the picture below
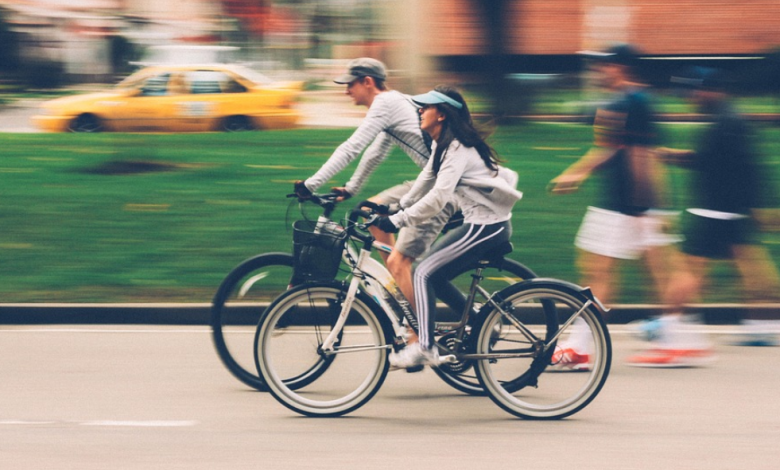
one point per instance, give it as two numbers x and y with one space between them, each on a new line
178 98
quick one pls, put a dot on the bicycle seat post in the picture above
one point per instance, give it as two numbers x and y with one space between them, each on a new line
468 309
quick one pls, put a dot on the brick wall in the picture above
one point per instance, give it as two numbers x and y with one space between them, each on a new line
690 27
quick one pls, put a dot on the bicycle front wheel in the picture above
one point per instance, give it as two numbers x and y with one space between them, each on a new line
522 367
237 306
289 342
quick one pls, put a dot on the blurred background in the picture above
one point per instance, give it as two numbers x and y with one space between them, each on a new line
509 45
120 216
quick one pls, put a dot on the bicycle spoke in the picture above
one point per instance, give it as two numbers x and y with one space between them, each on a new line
542 384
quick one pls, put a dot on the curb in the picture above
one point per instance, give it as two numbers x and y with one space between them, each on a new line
200 313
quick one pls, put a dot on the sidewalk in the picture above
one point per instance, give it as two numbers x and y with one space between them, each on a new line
200 313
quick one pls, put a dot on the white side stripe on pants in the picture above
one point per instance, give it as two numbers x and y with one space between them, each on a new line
432 263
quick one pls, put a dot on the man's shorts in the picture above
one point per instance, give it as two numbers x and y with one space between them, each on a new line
415 240
617 235
712 234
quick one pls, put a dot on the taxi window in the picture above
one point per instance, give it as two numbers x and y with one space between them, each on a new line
211 81
156 85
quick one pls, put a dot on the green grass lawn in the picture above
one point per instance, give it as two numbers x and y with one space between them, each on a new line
119 217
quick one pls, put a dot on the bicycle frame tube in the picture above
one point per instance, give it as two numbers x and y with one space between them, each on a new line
373 278
327 345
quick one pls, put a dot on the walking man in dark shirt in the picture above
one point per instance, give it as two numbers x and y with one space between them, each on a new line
728 190
625 224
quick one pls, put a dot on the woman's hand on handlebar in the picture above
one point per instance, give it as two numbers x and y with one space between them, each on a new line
375 214
381 209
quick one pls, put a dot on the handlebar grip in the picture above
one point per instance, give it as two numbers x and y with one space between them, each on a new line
355 213
370 204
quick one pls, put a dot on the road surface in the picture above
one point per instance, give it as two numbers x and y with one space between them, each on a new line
157 397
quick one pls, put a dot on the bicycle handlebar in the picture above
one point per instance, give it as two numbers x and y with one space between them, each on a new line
329 201
326 201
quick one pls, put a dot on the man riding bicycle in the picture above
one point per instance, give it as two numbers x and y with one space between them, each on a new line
391 120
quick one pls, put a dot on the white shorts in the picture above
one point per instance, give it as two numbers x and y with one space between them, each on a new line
616 235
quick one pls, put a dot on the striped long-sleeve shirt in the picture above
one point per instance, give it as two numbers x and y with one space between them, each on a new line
391 119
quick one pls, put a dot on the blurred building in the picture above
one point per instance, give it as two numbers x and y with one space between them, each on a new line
417 38
542 36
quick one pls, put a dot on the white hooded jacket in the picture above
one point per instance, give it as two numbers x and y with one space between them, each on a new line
484 196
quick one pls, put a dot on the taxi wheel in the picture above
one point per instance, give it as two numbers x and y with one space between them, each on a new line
86 123
236 124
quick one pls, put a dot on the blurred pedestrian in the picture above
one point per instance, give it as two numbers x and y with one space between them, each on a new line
729 188
625 223
392 120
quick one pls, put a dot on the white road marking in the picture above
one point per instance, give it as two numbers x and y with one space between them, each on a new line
105 423
141 424
29 329
19 422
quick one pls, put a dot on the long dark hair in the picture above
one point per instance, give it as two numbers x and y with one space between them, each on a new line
459 125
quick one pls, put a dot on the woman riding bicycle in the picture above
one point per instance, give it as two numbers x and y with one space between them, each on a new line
463 167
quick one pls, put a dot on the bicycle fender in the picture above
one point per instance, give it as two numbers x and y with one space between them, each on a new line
543 282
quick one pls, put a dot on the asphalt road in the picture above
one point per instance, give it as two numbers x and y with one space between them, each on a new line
157 397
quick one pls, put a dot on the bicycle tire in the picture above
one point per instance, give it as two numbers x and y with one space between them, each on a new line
460 375
532 387
242 286
297 323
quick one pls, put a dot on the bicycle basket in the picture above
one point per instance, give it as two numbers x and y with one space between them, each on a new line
317 253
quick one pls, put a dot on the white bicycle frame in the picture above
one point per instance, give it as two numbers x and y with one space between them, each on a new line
370 275
367 269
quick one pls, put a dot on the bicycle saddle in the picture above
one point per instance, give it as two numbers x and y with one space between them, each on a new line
497 253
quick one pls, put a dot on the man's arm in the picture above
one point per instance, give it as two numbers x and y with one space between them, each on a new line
374 155
571 178
369 129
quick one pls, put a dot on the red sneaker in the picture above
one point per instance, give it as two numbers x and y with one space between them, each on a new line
569 360
668 358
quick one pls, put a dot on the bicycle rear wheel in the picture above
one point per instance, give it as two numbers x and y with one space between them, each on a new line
237 306
534 386
289 341
497 275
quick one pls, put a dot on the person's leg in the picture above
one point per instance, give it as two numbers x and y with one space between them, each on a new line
686 282
410 245
759 275
677 340
760 284
400 267
388 197
460 247
603 238
599 273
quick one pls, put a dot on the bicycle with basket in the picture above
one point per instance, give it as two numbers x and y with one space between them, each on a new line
322 347
249 288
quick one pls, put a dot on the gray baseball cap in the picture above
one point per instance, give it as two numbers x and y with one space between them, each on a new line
363 67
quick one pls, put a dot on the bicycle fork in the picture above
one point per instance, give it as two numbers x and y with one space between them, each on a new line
328 346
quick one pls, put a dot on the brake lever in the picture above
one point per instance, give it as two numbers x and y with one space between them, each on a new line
369 222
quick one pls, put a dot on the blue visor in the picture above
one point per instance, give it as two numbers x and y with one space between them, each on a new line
435 97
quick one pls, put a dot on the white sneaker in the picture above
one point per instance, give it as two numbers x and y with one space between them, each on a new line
414 355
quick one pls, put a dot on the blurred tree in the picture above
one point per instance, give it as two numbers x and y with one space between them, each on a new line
501 91
9 45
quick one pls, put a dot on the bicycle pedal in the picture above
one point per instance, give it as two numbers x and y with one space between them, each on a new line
448 359
413 369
